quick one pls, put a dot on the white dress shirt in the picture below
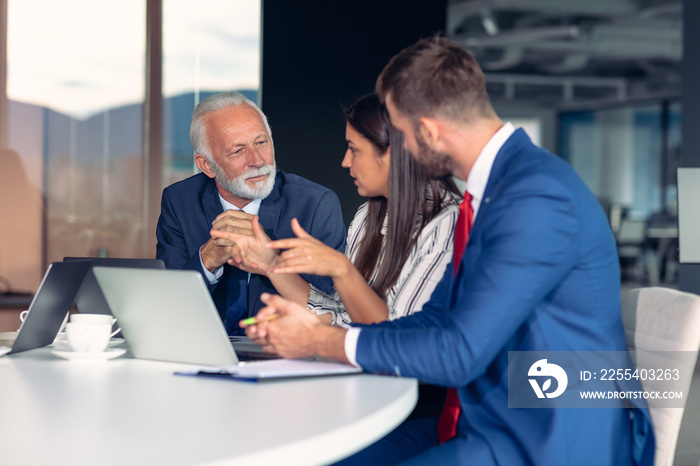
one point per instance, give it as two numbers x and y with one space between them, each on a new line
476 185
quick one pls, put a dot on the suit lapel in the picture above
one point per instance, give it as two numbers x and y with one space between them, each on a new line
505 155
211 202
269 215
212 208
499 169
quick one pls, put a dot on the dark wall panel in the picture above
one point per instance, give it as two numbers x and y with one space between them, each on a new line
689 274
317 58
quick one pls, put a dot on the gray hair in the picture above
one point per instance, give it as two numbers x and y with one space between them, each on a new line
198 136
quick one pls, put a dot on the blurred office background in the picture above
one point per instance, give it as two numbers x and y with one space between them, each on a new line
97 100
98 96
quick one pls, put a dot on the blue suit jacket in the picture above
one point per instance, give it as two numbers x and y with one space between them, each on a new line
540 273
189 207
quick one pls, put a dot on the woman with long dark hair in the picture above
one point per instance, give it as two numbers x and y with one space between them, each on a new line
400 241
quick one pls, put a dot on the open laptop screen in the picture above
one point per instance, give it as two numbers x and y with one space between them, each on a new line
167 315
50 305
90 298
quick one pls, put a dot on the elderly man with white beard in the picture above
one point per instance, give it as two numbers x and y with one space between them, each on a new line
240 190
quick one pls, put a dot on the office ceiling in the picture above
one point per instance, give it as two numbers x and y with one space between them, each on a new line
568 51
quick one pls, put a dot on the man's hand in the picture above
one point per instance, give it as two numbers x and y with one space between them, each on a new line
296 332
217 252
248 251
305 254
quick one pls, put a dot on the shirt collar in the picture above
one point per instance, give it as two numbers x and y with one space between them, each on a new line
252 208
479 174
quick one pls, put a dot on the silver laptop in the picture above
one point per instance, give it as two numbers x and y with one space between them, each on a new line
168 315
50 305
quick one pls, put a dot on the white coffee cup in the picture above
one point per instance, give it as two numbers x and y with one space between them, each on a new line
22 318
88 337
96 319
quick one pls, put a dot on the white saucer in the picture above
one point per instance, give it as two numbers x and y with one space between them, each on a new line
61 343
84 356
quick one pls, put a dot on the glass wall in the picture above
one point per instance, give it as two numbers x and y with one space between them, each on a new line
209 46
75 84
627 156
76 77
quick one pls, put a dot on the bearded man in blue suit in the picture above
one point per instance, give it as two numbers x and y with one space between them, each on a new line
539 273
240 190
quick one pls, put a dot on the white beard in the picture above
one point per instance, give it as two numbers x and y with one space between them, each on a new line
238 186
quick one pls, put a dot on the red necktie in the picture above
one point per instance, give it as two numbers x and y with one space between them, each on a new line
447 424
464 225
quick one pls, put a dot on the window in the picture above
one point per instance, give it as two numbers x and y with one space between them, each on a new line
627 156
76 83
209 46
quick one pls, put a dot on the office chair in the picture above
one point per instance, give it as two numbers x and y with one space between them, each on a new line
631 241
659 322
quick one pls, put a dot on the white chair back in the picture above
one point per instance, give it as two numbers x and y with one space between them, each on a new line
659 322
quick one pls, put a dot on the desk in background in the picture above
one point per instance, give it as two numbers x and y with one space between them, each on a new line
661 256
129 411
652 244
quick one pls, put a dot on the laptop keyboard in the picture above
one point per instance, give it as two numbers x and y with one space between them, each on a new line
246 350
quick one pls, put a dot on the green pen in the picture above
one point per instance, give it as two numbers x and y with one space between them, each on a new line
255 320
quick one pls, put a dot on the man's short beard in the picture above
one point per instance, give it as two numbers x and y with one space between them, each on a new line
238 186
436 164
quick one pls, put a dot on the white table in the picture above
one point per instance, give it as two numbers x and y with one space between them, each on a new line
128 411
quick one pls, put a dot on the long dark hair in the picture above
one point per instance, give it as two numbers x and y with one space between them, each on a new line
414 198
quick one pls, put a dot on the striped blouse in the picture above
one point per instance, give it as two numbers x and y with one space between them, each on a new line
419 276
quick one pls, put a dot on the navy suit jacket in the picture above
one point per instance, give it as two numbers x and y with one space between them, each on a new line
540 273
189 207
